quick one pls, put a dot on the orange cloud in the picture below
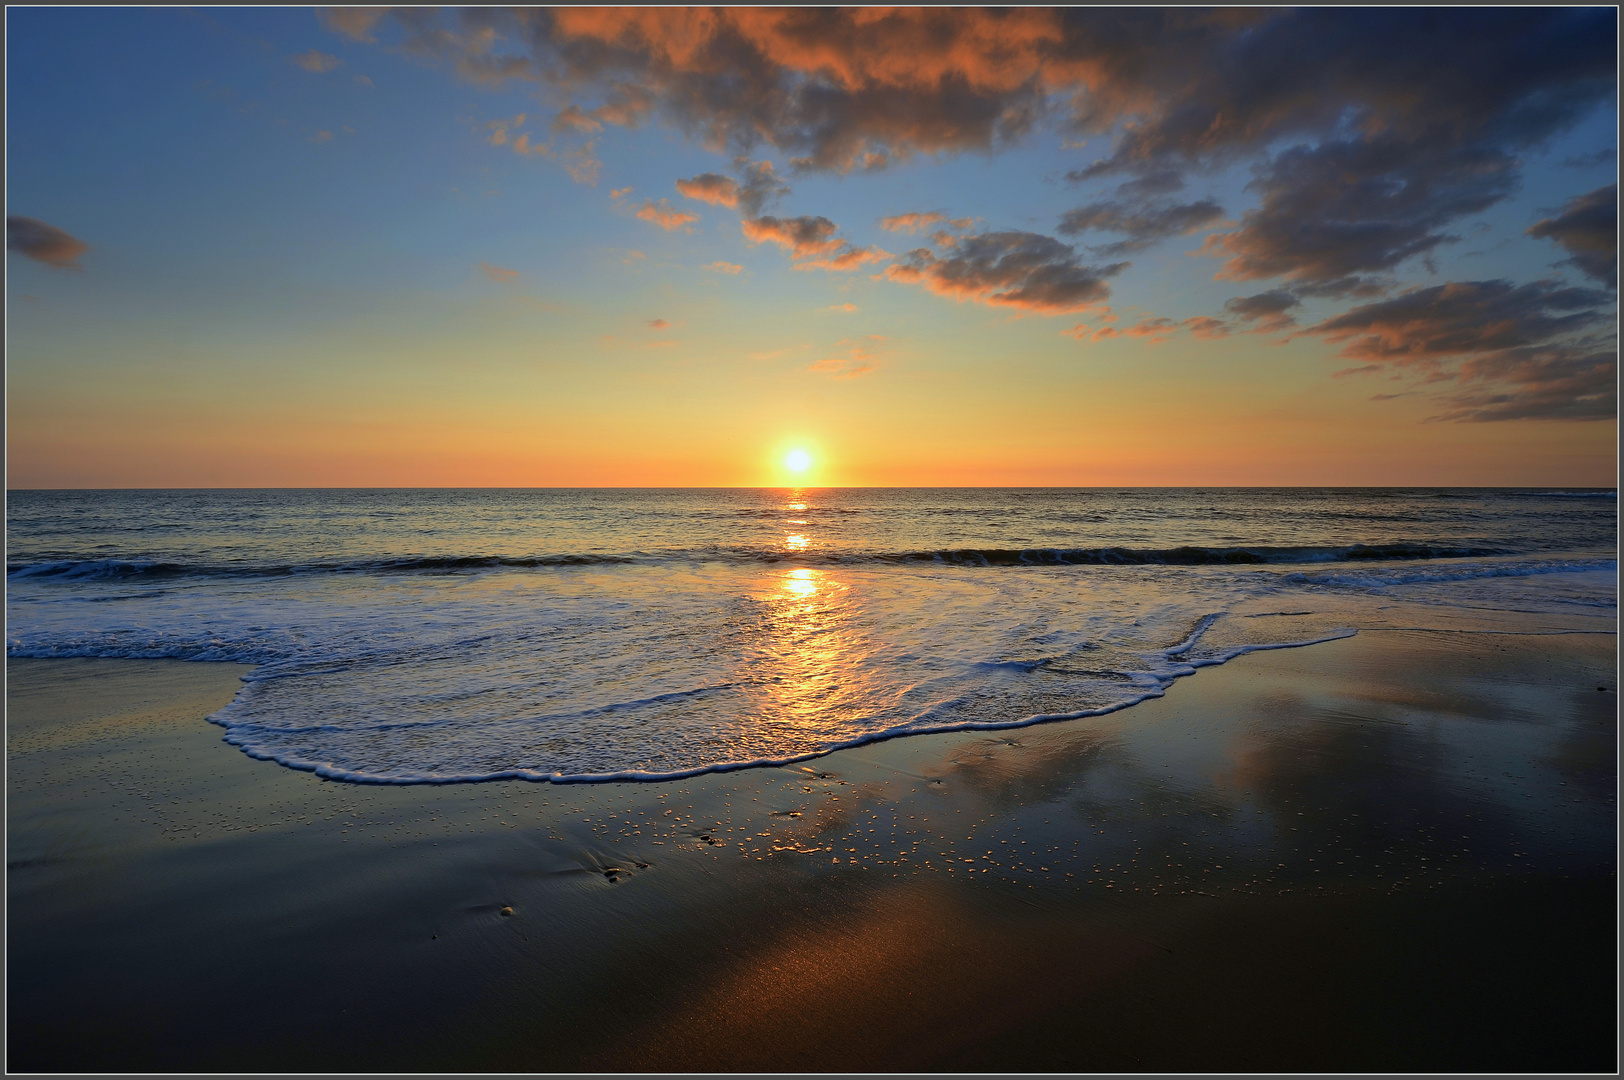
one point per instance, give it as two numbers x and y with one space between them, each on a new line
659 324
498 273
916 222
774 354
854 362
887 65
1084 332
583 165
1156 329
711 188
721 267
1203 326
523 145
620 192
804 236
316 62
501 134
573 119
845 258
355 23
662 215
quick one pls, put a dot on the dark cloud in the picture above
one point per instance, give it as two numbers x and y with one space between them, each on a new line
853 88
1462 318
1558 382
1396 121
1332 212
1013 269
1202 85
758 184
1267 312
1514 351
1144 224
45 243
1588 229
1151 182
1590 160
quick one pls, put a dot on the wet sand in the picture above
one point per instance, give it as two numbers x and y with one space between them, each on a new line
1391 852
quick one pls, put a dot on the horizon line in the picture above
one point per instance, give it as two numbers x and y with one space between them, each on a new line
861 487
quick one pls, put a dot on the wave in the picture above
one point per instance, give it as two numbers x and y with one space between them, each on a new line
147 570
1149 685
120 570
1195 556
1376 578
1562 494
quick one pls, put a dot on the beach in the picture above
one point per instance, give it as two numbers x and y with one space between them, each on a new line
800 540
1393 851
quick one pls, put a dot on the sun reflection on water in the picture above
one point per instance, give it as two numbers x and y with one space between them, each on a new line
811 664
801 584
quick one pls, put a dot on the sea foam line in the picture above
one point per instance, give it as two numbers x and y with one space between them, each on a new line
330 772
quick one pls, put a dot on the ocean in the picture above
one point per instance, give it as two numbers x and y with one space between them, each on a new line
438 636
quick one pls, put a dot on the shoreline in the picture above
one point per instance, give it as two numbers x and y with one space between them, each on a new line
632 776
939 901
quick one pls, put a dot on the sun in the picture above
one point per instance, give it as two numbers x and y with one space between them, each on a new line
797 461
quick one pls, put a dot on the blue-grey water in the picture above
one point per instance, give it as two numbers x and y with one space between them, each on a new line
440 635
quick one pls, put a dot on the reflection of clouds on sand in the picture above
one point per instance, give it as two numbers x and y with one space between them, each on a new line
1398 760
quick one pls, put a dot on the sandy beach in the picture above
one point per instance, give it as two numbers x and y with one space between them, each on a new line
1390 852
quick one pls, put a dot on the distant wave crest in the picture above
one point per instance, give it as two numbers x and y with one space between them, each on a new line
1195 556
137 569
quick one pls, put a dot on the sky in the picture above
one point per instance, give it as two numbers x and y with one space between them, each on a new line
667 247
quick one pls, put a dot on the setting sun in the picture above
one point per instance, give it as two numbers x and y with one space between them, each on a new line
797 461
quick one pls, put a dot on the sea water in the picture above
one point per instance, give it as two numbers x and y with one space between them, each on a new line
455 635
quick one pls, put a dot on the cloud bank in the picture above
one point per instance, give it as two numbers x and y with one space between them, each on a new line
1373 135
